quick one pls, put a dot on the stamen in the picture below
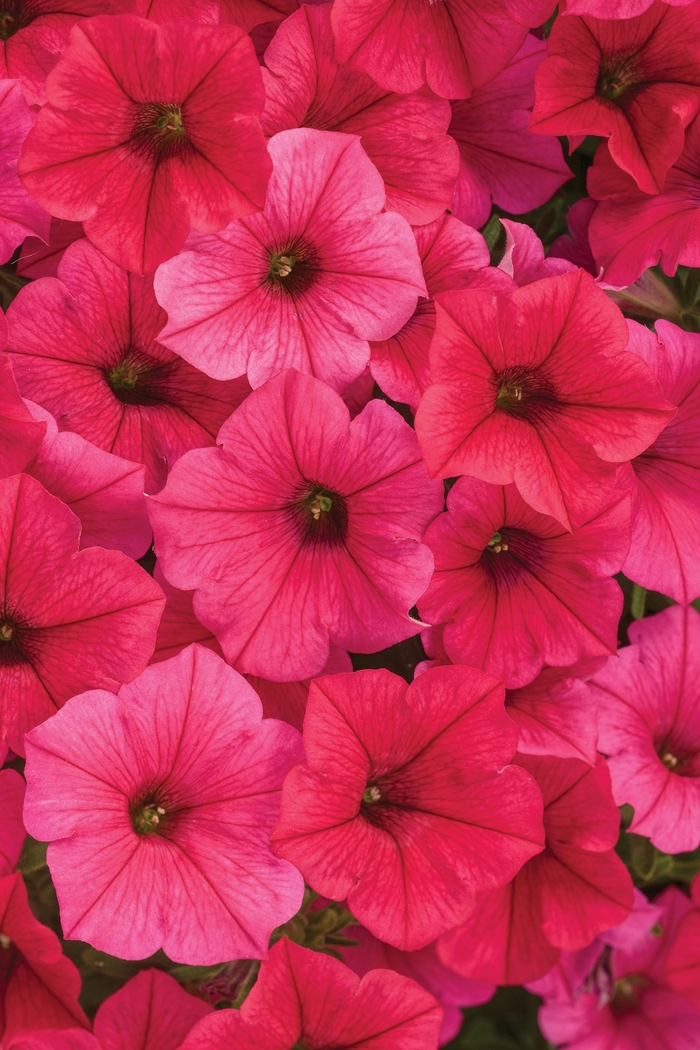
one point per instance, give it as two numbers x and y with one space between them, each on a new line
281 265
6 632
371 794
320 503
669 760
5 941
496 543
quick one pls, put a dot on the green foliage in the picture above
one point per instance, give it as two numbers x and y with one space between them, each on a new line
651 869
507 1022
655 295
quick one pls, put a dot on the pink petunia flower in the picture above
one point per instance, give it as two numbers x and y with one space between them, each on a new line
149 129
304 998
523 258
35 33
615 9
538 390
39 986
636 82
630 230
244 13
425 968
12 833
403 135
627 1003
407 805
301 530
575 246
515 590
305 284
665 480
682 965
649 725
562 897
178 859
21 433
86 348
40 259
453 255
20 215
502 161
69 620
452 47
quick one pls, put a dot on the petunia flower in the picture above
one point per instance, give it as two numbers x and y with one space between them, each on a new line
305 998
501 160
403 135
69 620
301 530
524 259
179 858
38 258
452 47
244 13
682 964
407 806
453 255
561 898
615 9
12 833
539 390
665 479
515 590
631 230
149 129
86 348
39 985
305 284
635 82
21 433
20 215
649 725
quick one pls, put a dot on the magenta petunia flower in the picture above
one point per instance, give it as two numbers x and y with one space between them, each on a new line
538 390
516 590
104 491
69 621
178 859
296 535
149 129
86 348
562 897
574 246
305 284
452 47
422 966
403 135
21 433
453 255
616 9
35 33
682 965
244 13
12 833
40 259
626 1002
635 82
523 258
39 986
501 160
665 480
407 805
649 725
305 998
631 230
20 215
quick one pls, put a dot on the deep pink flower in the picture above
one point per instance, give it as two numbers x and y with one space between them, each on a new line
244 13
523 258
452 47
665 480
69 621
86 348
635 82
615 9
35 34
178 859
149 129
20 215
562 897
305 284
179 627
302 530
538 390
453 255
306 998
631 230
574 246
407 805
12 833
502 161
631 1005
682 966
515 589
649 725
21 434
425 968
39 986
404 135
104 491
39 259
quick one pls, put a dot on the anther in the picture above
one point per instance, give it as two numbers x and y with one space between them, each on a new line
6 632
371 794
669 760
5 941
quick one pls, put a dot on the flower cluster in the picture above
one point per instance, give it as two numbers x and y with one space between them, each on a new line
349 490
